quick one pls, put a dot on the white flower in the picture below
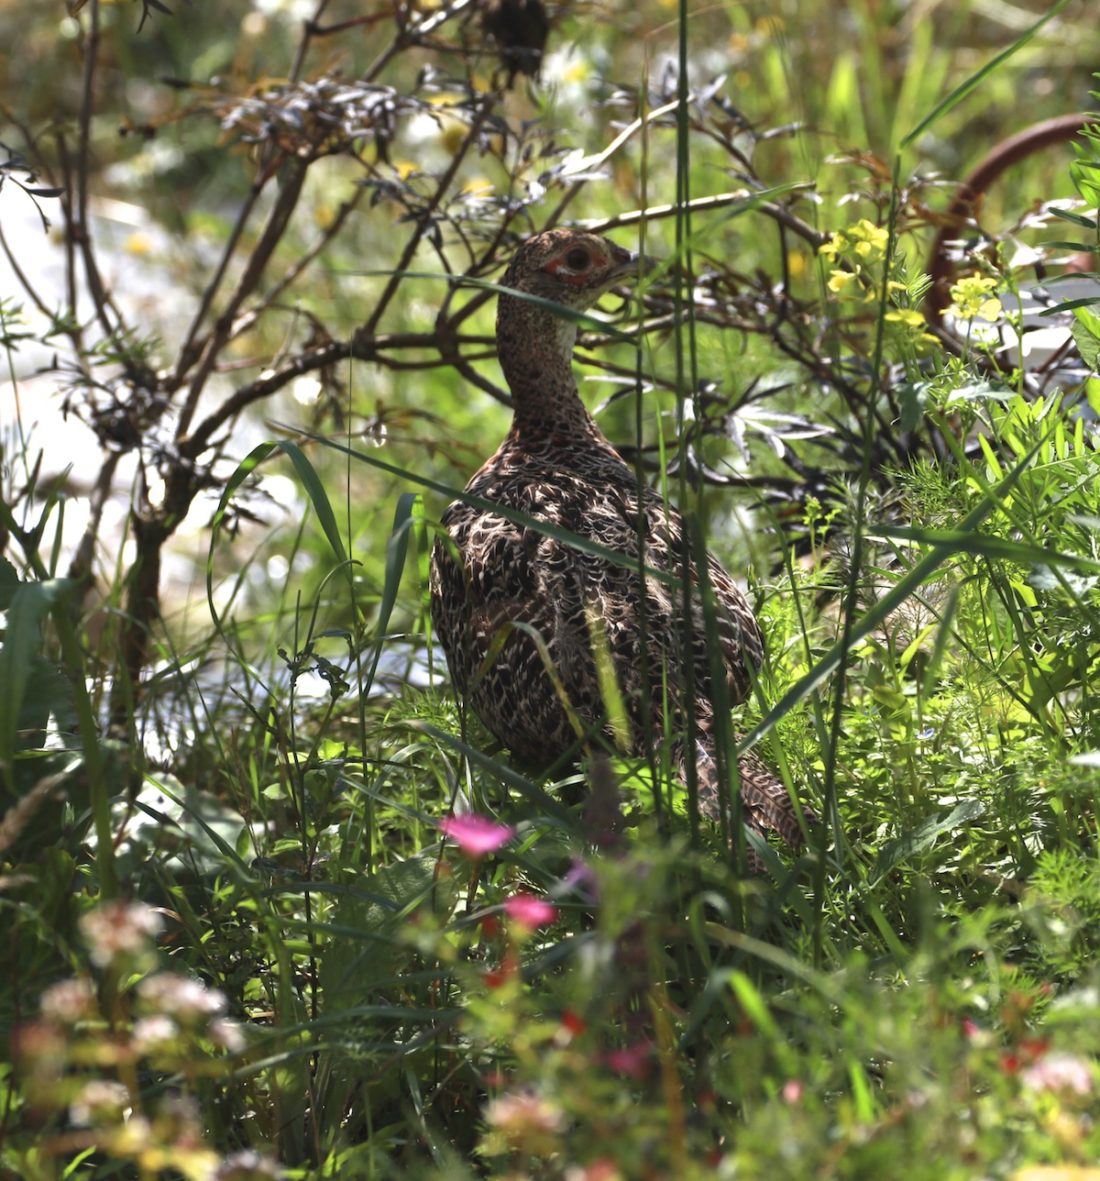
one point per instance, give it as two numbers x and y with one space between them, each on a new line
119 929
182 998
150 1033
68 1001
100 1101
227 1034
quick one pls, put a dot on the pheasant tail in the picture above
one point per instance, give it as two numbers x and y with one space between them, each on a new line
766 805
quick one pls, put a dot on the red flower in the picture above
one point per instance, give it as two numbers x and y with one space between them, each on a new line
490 926
574 1023
497 977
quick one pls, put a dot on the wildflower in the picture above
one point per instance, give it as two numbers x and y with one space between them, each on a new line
573 1023
632 1061
227 1034
247 1166
529 912
178 1121
42 1050
973 297
909 317
152 1033
507 973
119 929
870 241
864 240
834 247
1066 1074
489 926
840 281
100 1101
792 1091
68 1001
475 835
526 1121
188 1001
582 878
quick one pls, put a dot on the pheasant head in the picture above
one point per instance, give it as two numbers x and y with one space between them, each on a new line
562 269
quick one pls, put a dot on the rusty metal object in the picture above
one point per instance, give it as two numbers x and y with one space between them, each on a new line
1009 151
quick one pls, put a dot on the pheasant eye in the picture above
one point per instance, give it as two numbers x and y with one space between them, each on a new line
577 259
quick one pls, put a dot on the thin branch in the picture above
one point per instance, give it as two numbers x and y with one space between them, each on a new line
80 228
245 322
261 254
189 347
424 218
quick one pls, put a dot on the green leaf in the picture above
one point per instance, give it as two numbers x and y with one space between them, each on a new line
924 834
1071 305
989 546
1088 223
397 549
315 490
30 604
922 572
1086 334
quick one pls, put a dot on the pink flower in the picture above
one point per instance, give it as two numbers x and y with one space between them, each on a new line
475 835
1069 1074
633 1061
525 910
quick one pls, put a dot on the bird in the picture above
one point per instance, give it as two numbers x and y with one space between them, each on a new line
528 618
520 29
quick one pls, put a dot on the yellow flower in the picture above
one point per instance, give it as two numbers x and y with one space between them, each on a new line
840 281
911 323
973 297
139 244
910 317
834 247
870 240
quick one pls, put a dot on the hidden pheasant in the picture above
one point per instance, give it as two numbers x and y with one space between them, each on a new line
508 599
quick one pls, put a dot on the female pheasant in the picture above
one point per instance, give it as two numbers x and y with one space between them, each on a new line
510 602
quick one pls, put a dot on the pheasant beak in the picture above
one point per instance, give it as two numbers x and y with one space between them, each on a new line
634 266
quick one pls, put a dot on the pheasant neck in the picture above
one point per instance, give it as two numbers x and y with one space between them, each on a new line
536 354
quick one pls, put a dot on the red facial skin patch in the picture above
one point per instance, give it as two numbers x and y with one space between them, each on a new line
561 270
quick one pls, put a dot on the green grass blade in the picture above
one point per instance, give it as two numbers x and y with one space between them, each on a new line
314 489
575 540
966 88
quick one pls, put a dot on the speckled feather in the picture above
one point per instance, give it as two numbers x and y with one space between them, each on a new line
556 467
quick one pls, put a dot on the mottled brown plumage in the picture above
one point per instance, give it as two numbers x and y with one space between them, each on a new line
516 599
